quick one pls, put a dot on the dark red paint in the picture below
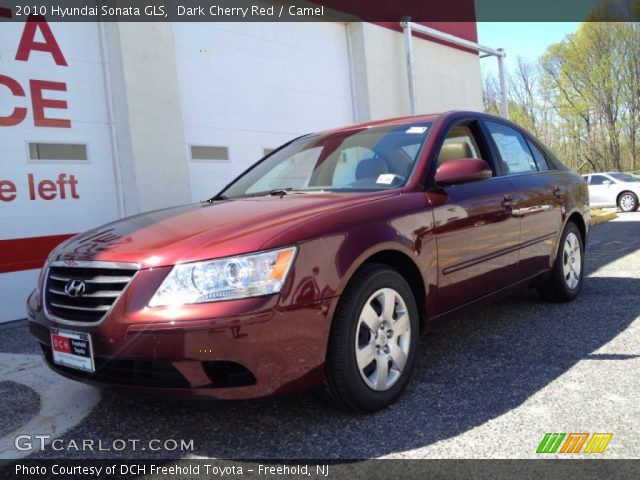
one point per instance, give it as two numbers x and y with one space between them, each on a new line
462 170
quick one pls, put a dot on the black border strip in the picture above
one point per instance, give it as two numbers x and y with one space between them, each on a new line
330 469
323 10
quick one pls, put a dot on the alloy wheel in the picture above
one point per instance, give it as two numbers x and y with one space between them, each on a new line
572 260
627 202
383 339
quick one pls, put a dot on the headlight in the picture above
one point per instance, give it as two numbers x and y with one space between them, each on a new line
225 279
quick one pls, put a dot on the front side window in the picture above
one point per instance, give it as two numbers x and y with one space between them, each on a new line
513 148
375 158
460 143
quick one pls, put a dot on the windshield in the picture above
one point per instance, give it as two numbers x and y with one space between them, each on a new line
625 177
375 158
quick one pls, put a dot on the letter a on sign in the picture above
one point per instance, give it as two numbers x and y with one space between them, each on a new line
28 41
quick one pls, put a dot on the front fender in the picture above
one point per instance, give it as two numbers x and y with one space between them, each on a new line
333 247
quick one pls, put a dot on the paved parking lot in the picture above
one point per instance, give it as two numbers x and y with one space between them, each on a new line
487 385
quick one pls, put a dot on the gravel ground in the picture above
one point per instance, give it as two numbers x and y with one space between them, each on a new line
487 385
20 404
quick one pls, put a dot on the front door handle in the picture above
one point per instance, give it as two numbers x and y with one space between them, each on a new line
557 191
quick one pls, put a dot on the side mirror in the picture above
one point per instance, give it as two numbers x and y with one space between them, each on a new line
607 183
462 170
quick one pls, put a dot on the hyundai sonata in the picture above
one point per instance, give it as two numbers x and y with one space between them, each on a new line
318 266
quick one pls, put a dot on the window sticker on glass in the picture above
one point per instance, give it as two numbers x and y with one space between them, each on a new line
417 129
513 153
386 178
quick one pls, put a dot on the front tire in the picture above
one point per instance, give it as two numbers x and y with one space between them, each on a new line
373 341
628 202
565 281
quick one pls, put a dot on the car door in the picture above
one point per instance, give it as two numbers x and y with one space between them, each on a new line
476 234
602 191
540 192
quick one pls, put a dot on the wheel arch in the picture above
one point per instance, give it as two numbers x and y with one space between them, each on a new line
407 268
576 218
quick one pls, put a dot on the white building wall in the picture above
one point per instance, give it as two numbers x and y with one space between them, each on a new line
146 114
446 78
87 110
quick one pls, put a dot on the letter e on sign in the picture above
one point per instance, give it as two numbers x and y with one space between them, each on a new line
39 104
7 191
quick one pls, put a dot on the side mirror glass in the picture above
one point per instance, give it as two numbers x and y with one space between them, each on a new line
462 170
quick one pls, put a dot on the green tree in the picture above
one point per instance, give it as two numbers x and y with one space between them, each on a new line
582 98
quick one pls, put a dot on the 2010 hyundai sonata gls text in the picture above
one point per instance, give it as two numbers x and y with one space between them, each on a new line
320 265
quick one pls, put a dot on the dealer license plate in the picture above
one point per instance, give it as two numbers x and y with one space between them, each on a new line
72 349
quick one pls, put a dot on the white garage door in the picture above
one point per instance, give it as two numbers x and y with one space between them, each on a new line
249 87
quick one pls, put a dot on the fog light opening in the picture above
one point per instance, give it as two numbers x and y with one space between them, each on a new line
228 374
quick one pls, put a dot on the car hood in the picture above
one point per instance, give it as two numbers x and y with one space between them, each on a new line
205 230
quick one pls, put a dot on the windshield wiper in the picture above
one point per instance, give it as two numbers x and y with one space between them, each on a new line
276 192
280 191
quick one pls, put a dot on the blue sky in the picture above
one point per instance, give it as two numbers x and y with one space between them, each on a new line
528 40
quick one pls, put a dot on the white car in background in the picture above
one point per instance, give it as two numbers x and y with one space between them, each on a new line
614 189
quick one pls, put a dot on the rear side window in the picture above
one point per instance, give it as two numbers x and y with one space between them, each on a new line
598 180
538 156
513 148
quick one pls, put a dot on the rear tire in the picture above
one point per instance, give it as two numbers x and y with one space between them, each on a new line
373 341
628 202
565 281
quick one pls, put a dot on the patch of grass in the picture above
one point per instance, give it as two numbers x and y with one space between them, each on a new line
599 215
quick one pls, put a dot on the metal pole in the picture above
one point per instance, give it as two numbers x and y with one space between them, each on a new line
408 50
447 37
503 84
408 27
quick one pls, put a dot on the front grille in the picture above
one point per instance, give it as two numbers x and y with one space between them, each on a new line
101 286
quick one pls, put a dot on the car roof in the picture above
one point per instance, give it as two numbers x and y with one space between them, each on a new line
432 117
407 120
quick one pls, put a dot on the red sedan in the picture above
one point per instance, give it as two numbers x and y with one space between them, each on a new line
319 265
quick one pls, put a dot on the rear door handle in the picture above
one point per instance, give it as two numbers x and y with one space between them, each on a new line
509 202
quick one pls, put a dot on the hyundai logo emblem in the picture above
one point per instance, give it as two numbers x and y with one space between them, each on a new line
75 288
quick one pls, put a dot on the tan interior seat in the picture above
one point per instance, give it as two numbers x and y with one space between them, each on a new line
454 151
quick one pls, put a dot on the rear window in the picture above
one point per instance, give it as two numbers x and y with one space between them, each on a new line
538 156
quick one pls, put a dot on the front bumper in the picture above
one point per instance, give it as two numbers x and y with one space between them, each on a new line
230 350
